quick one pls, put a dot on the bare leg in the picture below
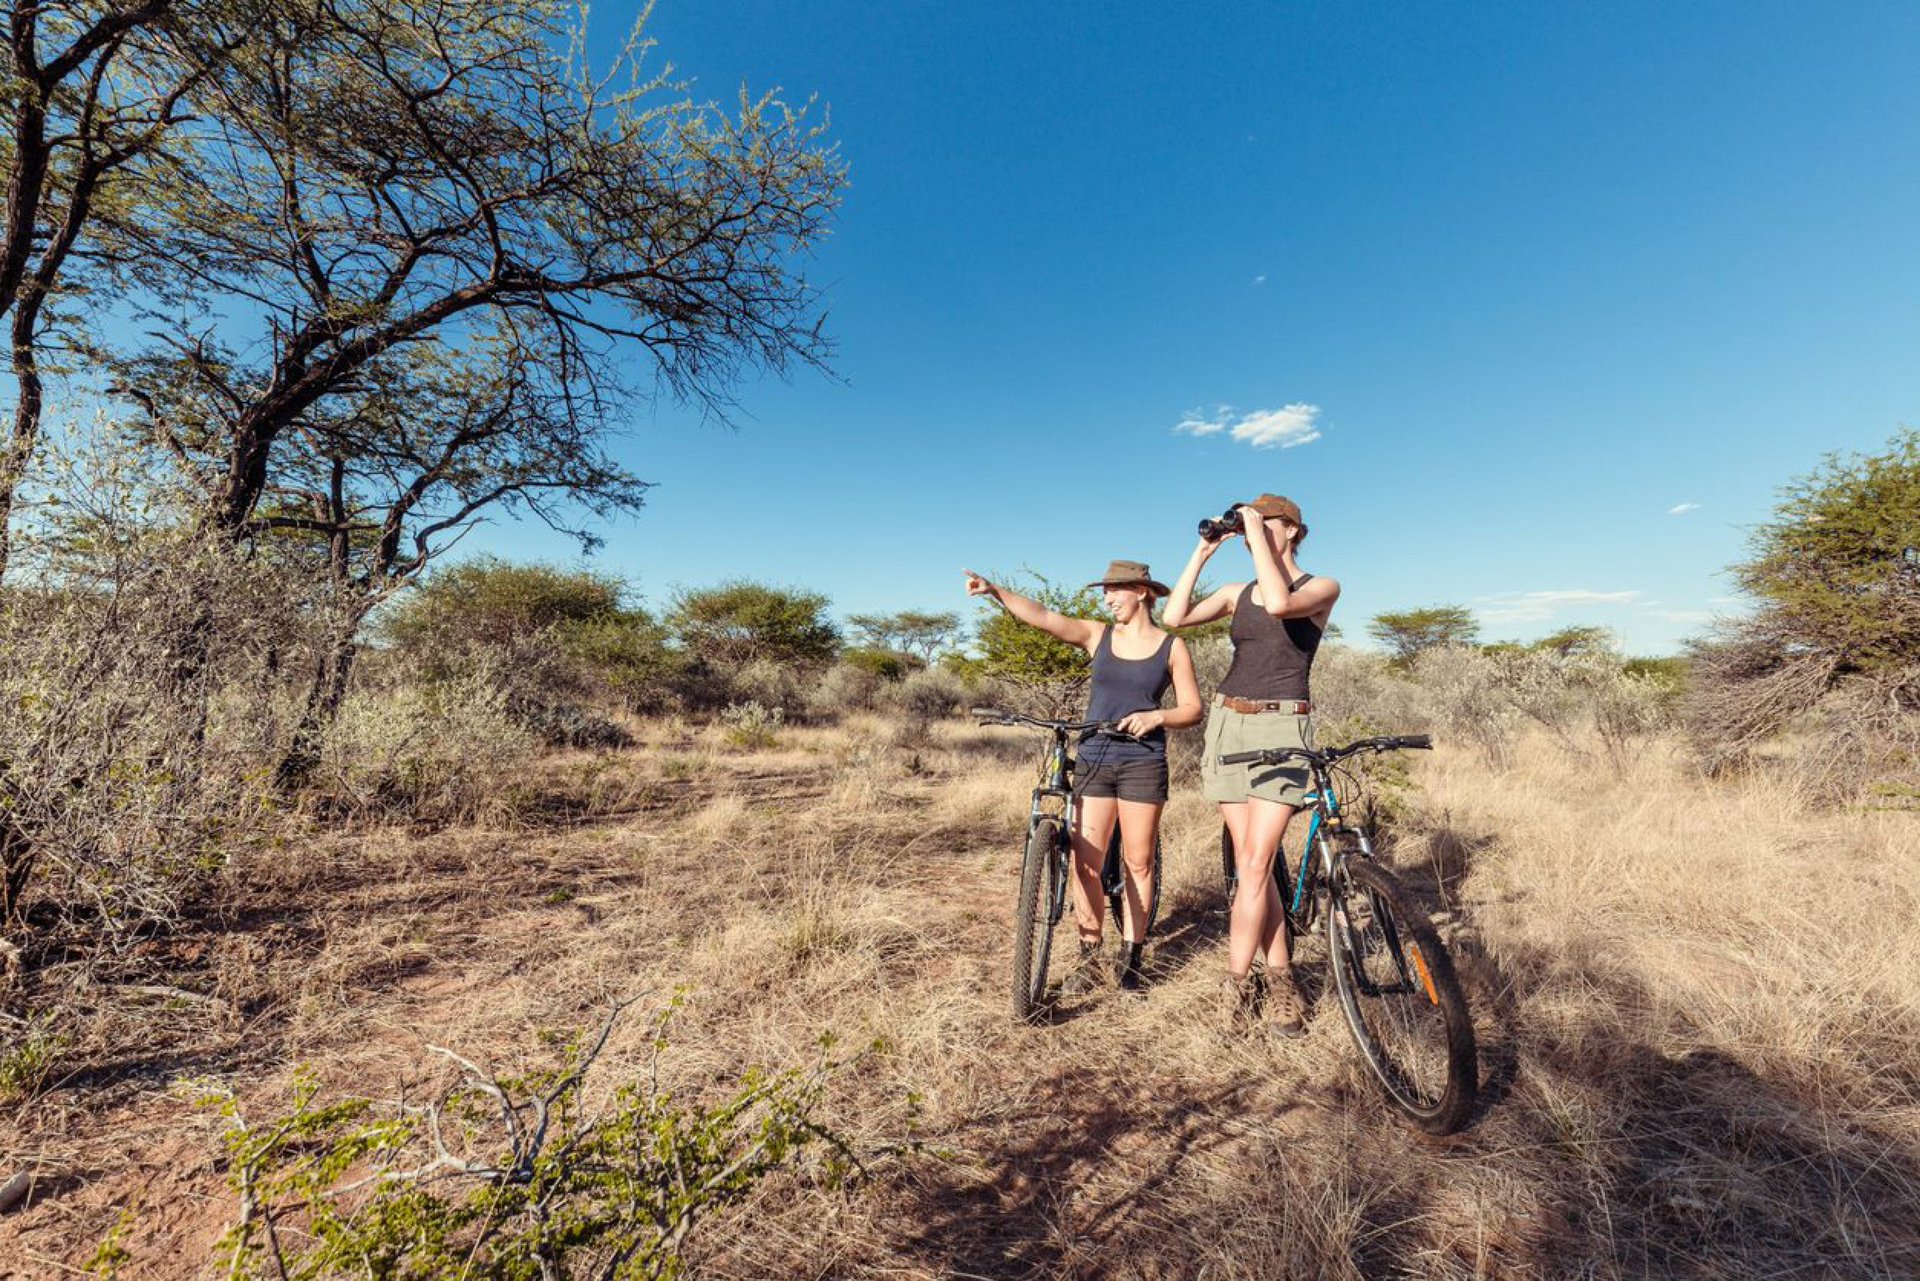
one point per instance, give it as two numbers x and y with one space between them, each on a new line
1258 923
1139 824
1092 829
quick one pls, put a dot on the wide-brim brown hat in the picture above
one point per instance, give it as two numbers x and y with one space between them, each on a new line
1274 507
1130 573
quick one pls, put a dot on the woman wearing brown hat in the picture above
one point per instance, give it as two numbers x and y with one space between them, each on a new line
1263 701
1123 780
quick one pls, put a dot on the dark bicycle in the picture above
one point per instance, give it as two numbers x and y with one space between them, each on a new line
1047 863
1398 990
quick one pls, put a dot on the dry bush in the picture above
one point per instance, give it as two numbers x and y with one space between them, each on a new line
1212 656
775 686
1834 737
928 695
843 688
438 749
125 783
1360 689
1464 690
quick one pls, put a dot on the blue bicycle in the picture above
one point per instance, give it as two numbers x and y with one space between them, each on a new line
1398 990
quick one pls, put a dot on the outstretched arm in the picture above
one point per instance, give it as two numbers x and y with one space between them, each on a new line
1074 631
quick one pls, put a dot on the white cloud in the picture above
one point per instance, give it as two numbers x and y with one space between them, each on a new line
1200 422
1540 607
1682 509
1283 428
1260 279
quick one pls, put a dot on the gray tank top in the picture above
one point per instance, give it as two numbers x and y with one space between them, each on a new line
1124 685
1272 657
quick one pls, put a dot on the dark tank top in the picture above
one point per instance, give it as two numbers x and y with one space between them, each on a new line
1271 656
1122 686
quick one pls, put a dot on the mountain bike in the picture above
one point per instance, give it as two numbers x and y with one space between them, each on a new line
1046 865
1398 990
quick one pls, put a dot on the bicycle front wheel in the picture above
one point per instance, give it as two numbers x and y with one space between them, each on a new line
1401 998
1033 917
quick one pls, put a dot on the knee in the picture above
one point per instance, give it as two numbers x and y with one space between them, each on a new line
1252 866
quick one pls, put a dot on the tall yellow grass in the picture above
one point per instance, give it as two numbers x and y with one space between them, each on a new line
1699 1006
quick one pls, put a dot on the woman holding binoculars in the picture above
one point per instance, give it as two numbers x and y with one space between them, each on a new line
1264 701
1118 779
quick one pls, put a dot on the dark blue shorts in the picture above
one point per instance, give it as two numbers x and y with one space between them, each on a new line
1142 778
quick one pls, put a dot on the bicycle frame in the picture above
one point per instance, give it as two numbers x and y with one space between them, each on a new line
1054 797
1323 804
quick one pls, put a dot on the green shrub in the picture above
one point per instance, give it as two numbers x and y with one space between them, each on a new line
887 664
741 622
752 725
511 1177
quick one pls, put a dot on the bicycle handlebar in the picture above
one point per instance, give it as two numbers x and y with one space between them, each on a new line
994 716
1274 755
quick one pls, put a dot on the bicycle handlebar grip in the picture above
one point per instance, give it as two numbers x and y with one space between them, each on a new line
1423 741
1242 758
985 713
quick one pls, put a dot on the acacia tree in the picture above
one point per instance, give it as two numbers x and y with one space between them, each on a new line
91 92
384 190
1410 632
377 497
1837 570
740 622
1835 579
379 174
917 633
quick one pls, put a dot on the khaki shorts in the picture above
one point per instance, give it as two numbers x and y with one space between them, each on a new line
1229 731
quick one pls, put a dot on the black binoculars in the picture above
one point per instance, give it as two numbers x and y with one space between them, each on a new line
1215 528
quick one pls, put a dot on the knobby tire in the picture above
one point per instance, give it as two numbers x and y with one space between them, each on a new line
1401 997
1033 920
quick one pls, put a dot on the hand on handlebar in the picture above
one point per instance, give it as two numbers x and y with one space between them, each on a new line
1140 724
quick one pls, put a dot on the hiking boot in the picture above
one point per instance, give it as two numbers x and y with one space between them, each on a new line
1126 969
1085 975
1239 1003
1285 1007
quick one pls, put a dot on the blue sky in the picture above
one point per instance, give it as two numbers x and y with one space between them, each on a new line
1532 308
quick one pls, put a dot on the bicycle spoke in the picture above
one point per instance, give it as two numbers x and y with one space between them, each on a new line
1402 1001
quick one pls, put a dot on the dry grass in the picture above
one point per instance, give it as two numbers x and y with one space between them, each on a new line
1698 1006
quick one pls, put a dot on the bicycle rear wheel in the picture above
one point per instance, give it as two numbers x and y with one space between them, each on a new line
1113 882
1034 918
1400 995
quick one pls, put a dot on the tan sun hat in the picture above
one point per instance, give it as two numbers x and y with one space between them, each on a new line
1274 507
1129 573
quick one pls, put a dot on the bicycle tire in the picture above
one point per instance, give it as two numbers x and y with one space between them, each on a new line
1401 997
1113 881
1033 920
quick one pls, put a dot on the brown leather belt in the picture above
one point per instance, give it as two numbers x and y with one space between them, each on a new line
1253 706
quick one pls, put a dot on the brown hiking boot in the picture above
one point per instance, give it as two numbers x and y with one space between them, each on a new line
1239 1003
1286 1007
